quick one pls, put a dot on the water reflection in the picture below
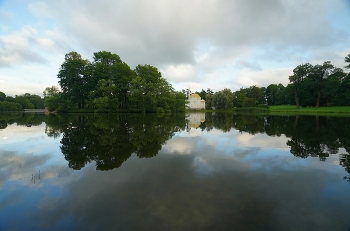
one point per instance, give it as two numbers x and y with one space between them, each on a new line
109 140
241 172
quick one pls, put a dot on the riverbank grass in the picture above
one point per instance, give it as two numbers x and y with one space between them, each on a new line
307 110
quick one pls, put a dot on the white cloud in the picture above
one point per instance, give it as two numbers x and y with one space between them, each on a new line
211 44
265 77
178 73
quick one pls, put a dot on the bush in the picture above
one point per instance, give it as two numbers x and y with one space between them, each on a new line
263 106
160 110
248 102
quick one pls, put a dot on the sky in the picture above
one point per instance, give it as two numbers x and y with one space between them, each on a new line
199 44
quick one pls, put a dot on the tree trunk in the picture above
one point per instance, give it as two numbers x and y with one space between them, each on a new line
296 99
318 98
296 122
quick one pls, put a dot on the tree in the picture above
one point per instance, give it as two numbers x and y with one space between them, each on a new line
255 93
248 102
271 92
24 102
71 78
209 99
104 96
202 94
149 85
332 87
347 60
2 96
229 95
319 75
51 91
219 100
239 97
297 79
121 77
10 99
180 101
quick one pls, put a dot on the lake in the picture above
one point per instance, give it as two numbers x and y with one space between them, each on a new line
200 171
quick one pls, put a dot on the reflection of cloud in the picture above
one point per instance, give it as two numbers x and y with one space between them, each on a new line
201 166
179 145
14 133
261 140
15 167
24 167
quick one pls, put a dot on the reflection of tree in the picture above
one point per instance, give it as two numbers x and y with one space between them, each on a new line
314 136
344 161
22 119
109 140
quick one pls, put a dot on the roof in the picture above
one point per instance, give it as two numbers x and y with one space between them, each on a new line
194 95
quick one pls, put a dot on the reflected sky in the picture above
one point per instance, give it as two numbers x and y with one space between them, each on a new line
198 181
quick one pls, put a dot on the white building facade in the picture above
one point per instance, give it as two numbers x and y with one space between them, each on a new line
195 102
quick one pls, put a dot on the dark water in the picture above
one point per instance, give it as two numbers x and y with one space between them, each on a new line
200 172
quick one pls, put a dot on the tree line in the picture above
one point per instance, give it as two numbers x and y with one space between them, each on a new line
109 140
20 102
318 85
107 84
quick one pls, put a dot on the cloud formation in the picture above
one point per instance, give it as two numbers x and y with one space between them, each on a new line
189 41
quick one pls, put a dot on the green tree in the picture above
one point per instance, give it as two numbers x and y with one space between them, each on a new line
202 94
319 75
343 93
271 92
248 102
156 91
10 106
180 101
209 99
331 88
24 102
255 93
347 60
51 91
239 97
219 100
36 100
103 97
71 79
10 99
229 95
300 73
2 96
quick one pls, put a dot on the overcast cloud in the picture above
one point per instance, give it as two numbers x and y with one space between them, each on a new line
202 44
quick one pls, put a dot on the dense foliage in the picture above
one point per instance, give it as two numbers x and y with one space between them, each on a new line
318 85
109 85
20 102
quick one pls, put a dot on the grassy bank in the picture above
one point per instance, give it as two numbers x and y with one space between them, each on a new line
291 109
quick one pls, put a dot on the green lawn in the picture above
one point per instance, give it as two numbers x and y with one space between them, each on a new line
308 110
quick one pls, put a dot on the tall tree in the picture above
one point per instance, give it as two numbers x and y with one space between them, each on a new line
297 79
71 78
51 91
2 96
347 60
230 96
271 91
219 100
319 75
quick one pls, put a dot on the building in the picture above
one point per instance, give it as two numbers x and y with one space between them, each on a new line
195 102
194 120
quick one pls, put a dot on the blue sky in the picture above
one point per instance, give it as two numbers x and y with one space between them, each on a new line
214 44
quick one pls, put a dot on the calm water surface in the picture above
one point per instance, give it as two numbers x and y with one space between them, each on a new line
199 172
